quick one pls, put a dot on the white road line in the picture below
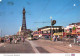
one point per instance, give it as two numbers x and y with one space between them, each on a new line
33 46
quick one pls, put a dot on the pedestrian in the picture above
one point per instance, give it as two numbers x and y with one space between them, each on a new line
54 38
4 39
23 39
8 39
78 39
58 38
75 39
15 41
11 40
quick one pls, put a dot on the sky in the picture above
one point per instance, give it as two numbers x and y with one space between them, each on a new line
64 12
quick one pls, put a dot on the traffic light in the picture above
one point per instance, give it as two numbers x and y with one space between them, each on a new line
53 22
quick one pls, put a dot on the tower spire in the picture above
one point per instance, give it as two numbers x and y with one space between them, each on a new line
23 29
23 21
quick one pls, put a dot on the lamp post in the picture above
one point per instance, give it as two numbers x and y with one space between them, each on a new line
51 26
52 23
62 30
1 32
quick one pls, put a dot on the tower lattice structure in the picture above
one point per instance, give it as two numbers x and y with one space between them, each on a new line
23 28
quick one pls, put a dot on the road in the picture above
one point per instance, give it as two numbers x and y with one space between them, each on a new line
56 47
39 46
17 48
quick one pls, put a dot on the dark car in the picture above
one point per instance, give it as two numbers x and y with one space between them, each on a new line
47 38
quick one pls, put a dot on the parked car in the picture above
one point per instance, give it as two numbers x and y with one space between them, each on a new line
46 37
29 38
35 38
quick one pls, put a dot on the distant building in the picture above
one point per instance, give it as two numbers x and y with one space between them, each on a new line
29 31
73 28
46 31
75 23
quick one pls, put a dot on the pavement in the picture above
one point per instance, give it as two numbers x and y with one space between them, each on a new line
39 46
55 47
17 48
1 44
36 47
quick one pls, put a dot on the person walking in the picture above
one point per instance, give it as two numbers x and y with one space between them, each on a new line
78 40
15 41
4 40
11 40
54 38
23 39
58 38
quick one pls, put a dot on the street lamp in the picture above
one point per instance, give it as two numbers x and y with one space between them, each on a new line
52 23
1 32
51 26
62 32
62 29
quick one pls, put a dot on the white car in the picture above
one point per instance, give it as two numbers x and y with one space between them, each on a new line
29 38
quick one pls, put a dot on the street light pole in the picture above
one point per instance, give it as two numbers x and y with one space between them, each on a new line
1 32
51 27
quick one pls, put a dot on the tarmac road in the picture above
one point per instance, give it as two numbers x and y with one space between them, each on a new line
17 48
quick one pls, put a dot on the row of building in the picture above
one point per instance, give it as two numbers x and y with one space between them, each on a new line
70 30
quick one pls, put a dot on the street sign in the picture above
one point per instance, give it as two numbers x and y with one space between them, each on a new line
53 22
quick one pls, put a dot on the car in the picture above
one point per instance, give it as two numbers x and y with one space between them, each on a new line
29 38
46 37
35 38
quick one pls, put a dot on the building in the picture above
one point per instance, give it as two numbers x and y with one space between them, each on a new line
75 23
46 31
73 29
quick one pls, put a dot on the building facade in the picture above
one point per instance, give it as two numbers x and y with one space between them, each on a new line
46 31
73 29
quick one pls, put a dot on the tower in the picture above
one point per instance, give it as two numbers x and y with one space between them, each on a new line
23 21
23 28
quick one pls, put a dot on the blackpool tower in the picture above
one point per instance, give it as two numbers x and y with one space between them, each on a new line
23 28
24 21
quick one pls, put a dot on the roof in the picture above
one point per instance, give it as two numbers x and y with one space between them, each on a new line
50 27
78 23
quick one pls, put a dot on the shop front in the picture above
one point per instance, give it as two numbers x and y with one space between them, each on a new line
60 34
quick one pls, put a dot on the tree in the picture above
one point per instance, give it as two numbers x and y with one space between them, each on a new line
74 28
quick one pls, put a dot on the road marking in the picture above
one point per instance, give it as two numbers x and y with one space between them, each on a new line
33 46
